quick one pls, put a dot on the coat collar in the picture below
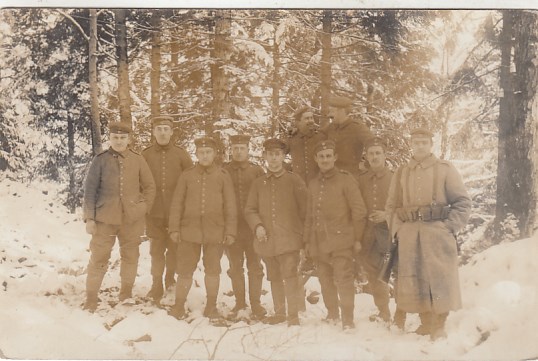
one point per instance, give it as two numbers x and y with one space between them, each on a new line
159 147
275 174
377 174
344 124
236 165
121 154
425 163
328 174
201 169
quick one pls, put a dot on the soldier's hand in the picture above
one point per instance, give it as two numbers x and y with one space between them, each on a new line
402 214
91 227
261 234
377 216
357 247
174 236
229 240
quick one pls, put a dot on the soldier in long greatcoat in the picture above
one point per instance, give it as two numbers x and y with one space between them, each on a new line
430 205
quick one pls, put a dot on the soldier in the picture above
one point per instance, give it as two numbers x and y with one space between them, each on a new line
275 211
336 216
348 134
374 185
166 161
430 204
203 215
302 143
243 174
118 192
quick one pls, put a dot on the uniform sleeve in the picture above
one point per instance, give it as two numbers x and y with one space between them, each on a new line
252 210
458 199
147 183
91 187
357 206
299 190
230 206
395 190
178 203
309 217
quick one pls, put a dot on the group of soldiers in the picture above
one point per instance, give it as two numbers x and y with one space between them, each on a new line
325 207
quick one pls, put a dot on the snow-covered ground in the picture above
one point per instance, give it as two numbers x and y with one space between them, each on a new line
43 255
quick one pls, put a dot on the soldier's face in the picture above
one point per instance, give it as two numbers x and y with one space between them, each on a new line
375 155
205 155
274 159
422 147
239 152
338 115
119 142
325 159
163 134
306 123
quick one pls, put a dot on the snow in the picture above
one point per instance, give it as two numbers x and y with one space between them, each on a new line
43 255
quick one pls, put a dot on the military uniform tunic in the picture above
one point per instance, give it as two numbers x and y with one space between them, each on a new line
428 278
349 138
302 154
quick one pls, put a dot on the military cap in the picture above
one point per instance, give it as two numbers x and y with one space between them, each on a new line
205 142
340 102
421 132
373 141
275 143
162 120
324 144
120 128
299 113
239 139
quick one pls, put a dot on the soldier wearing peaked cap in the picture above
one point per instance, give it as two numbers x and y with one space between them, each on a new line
275 211
333 229
243 173
166 162
302 142
118 192
203 216
348 134
426 206
374 185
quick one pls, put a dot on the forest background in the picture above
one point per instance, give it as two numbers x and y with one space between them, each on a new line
469 75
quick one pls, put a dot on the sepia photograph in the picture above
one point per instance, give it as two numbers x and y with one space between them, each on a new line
264 183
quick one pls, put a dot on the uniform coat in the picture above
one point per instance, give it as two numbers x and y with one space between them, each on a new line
119 188
301 147
336 214
428 278
349 138
243 174
278 202
203 207
374 188
166 163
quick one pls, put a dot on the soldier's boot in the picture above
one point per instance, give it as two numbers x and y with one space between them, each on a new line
346 293
279 303
291 290
238 286
212 288
156 292
255 293
183 287
128 268
126 291
438 326
93 284
330 299
425 324
169 279
399 318
301 298
380 292
91 301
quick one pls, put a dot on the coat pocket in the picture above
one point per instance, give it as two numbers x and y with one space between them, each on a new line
136 210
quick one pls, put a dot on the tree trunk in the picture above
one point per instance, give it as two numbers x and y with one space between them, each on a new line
219 78
71 195
275 103
174 64
518 121
326 65
156 64
97 142
124 95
